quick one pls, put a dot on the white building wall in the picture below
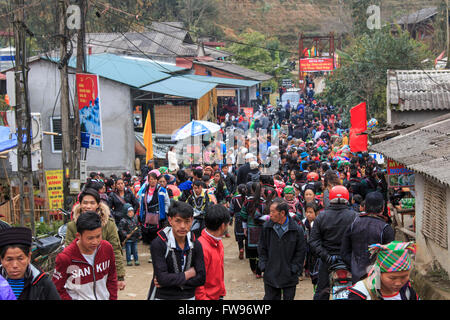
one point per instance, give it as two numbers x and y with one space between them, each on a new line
117 121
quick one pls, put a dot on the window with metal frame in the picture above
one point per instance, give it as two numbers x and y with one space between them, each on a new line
55 126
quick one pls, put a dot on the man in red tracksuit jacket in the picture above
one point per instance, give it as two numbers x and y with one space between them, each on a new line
217 219
86 269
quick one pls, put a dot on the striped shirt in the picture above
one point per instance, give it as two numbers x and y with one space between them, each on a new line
17 286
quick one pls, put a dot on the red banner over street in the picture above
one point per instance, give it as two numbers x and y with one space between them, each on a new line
316 64
358 140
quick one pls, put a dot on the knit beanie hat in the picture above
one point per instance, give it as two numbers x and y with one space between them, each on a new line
15 235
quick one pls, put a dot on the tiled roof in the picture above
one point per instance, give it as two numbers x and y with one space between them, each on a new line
423 148
162 39
418 16
415 90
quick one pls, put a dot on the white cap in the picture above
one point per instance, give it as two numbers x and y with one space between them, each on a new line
249 156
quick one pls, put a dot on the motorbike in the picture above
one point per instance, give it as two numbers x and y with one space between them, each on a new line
45 249
340 280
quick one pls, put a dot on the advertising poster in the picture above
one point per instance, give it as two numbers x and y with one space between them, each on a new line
88 91
55 192
318 64
399 175
137 117
248 113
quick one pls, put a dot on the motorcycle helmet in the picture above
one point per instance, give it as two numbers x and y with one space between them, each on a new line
312 176
339 194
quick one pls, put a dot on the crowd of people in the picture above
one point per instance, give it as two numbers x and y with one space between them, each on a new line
324 204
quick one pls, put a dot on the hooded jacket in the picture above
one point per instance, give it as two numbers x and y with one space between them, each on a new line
169 265
77 279
109 233
38 285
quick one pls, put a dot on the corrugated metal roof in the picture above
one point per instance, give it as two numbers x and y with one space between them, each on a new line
135 72
236 69
181 86
418 16
424 148
415 90
224 81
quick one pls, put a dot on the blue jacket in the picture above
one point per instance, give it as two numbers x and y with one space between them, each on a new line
6 292
163 202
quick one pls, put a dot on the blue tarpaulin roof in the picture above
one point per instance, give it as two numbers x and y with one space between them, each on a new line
8 140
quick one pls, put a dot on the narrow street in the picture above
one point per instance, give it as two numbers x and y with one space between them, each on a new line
240 283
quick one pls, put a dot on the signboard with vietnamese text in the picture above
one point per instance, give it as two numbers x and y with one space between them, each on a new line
55 192
88 91
248 113
316 64
399 175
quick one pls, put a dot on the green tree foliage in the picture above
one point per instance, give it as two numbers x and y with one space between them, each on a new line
362 76
439 43
359 14
250 51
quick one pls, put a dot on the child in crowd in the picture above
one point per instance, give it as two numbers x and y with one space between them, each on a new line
356 202
129 230
311 261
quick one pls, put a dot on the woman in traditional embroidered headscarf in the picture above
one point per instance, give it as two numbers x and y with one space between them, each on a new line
388 278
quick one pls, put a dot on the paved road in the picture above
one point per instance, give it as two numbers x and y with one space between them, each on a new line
240 282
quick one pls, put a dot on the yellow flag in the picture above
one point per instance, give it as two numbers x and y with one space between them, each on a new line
148 139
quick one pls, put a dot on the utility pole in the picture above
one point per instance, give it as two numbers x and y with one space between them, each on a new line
64 103
448 40
23 113
81 68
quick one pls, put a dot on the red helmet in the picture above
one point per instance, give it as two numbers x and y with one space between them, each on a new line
339 194
312 176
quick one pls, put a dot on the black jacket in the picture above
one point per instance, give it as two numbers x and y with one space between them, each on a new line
329 228
127 225
364 231
38 285
116 205
174 285
242 173
230 182
282 259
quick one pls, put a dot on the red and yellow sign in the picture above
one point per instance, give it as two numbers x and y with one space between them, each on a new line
316 64
248 113
55 193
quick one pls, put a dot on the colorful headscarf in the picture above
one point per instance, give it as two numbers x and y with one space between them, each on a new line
391 257
289 190
163 170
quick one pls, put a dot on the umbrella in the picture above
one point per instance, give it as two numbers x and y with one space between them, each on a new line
195 128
